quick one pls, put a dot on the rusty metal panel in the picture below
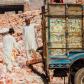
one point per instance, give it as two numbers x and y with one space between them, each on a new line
56 9
74 9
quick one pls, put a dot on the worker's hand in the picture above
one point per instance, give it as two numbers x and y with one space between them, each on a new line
18 52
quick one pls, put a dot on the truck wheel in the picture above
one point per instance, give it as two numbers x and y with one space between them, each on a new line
79 77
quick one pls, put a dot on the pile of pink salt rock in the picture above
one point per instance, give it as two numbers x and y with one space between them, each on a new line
21 74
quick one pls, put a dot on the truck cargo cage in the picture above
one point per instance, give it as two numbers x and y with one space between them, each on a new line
64 31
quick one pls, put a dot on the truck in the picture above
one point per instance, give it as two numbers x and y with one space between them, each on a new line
63 41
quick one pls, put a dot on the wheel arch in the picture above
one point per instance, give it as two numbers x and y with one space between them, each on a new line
79 63
74 67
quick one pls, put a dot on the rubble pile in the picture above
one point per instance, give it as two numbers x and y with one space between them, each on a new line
21 74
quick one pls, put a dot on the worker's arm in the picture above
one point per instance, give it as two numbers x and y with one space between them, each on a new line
16 45
24 33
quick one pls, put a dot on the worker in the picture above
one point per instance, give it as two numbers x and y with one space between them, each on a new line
29 38
9 43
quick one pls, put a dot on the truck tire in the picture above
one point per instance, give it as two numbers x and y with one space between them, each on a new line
79 76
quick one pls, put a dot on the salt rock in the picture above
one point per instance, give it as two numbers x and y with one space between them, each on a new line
22 74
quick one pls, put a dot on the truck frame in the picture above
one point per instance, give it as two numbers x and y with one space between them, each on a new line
71 62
